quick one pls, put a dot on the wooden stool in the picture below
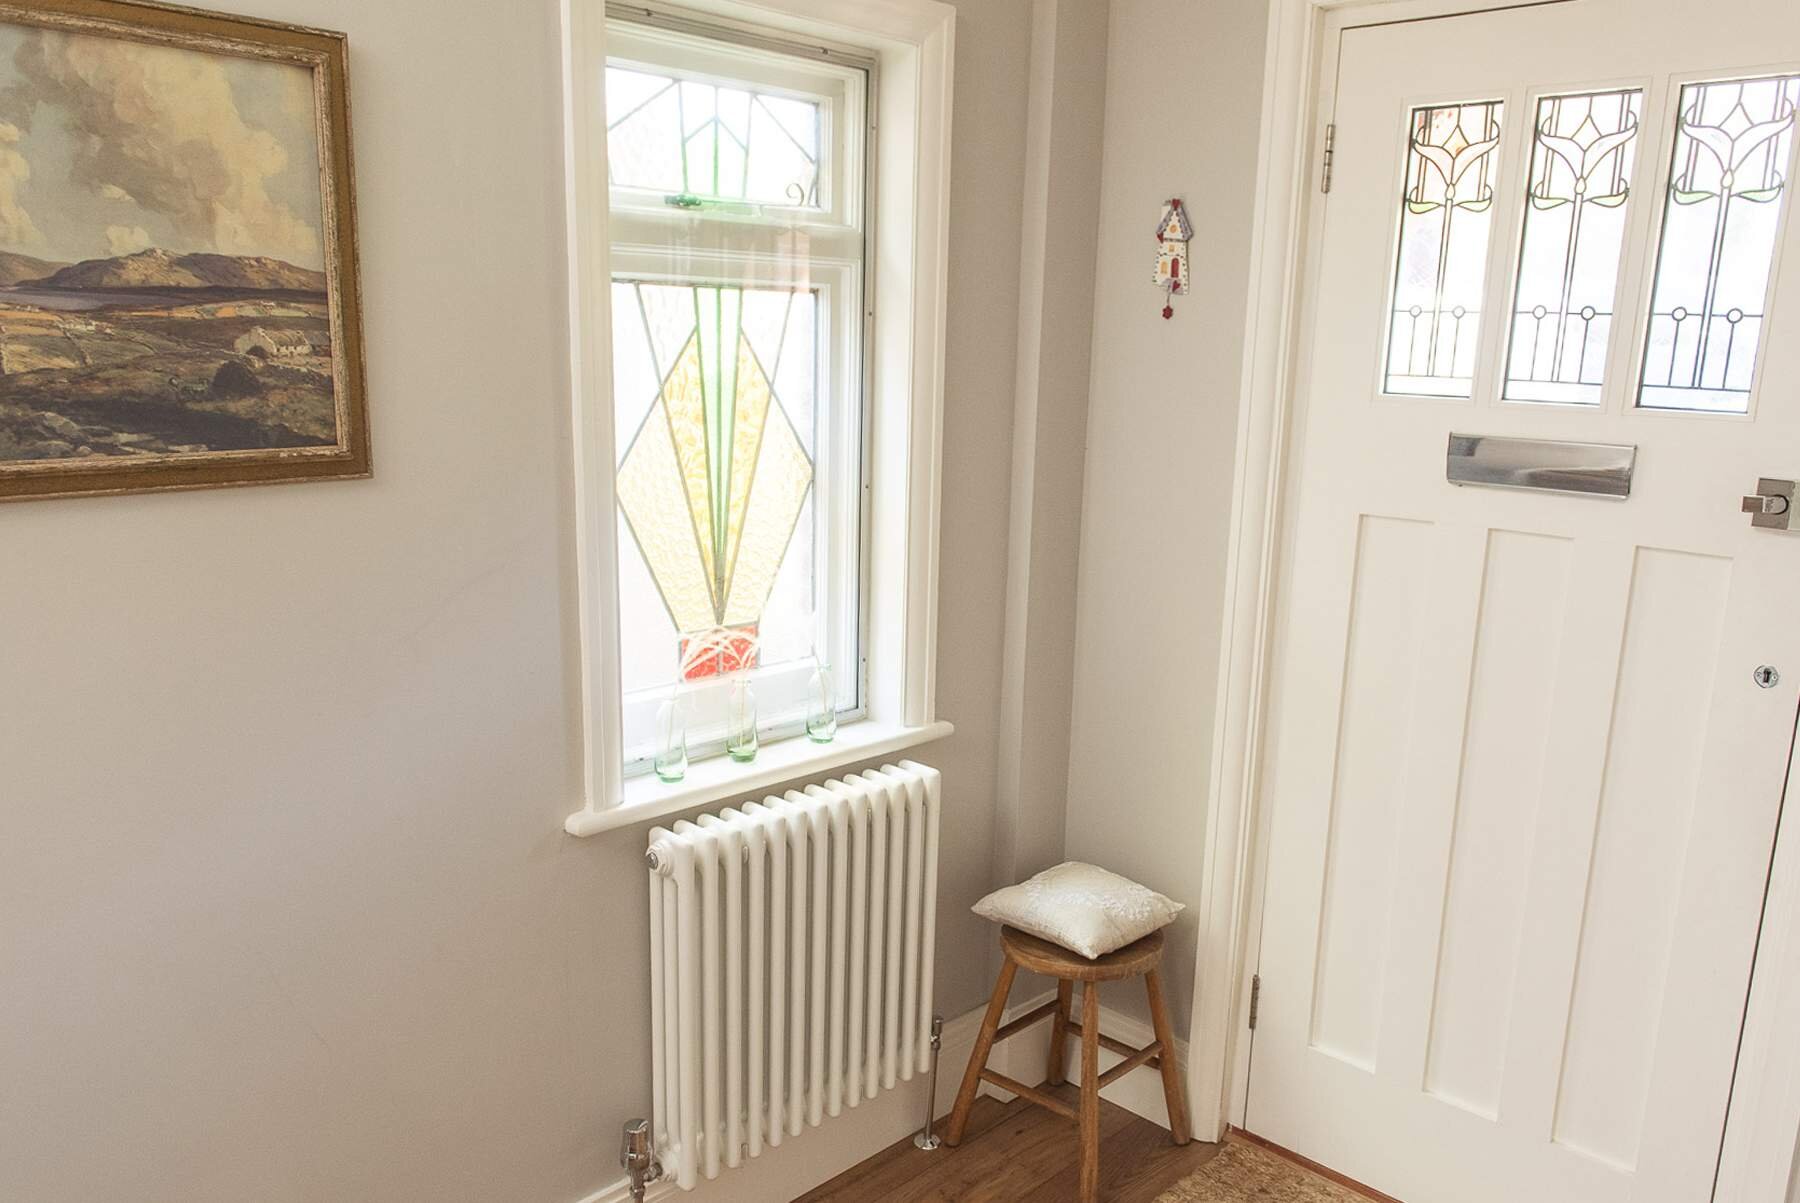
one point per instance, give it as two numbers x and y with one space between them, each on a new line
1040 956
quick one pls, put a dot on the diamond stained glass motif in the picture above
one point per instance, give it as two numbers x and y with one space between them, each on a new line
1445 215
1583 150
1728 180
692 140
713 480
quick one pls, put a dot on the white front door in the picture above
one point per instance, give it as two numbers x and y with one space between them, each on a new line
1523 777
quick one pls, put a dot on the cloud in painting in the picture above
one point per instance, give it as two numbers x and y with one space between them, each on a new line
160 127
127 240
16 226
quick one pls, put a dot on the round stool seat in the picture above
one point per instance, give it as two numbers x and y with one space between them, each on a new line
1053 960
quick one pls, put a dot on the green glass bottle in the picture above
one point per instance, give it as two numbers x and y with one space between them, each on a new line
740 721
821 706
671 760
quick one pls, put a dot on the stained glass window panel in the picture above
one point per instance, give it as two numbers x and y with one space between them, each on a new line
1728 184
1583 150
715 474
643 140
1446 207
683 137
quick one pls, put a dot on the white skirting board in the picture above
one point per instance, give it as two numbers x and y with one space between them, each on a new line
819 1154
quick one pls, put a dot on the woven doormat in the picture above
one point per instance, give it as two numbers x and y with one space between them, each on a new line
1245 1173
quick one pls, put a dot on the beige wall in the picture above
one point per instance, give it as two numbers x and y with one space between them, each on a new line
1050 404
1182 98
286 910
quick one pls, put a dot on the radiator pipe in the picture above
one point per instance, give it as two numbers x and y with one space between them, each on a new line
636 1156
928 1139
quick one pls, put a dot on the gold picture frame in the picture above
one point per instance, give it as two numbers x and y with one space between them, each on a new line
216 360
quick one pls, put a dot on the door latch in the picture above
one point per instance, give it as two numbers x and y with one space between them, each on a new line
1772 505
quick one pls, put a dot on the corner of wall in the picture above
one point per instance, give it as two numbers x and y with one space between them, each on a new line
1161 435
1058 233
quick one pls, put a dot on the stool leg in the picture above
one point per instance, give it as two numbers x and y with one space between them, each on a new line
1059 1033
1174 1094
1090 1092
984 1044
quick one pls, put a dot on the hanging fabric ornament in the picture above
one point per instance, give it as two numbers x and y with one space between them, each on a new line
1172 235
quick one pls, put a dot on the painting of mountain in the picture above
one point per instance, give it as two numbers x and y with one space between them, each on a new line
172 310
16 268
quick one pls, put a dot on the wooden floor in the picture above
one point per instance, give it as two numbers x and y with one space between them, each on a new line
1015 1151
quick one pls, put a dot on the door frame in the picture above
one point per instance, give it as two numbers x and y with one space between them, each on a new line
1759 1142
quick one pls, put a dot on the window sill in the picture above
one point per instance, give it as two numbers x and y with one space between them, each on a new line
776 764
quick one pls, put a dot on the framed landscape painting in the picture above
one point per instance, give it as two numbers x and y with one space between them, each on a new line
178 281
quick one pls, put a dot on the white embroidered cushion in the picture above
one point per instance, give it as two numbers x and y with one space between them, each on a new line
1083 908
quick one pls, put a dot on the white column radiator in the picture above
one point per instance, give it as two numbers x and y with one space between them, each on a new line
791 951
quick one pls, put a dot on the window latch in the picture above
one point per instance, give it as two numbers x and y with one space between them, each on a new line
690 202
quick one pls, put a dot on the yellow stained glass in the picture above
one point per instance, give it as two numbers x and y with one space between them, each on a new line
648 480
753 400
716 478
783 475
686 402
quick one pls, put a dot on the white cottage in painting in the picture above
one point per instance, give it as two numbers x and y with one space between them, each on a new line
269 344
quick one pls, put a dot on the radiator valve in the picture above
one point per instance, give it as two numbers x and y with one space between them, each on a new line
637 1157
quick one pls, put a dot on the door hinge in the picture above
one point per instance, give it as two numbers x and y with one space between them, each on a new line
1325 172
1255 998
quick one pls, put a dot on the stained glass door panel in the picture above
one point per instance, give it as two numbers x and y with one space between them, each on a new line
1446 209
1583 151
1728 186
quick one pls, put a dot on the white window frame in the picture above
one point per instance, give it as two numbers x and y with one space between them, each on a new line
748 244
711 53
912 41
